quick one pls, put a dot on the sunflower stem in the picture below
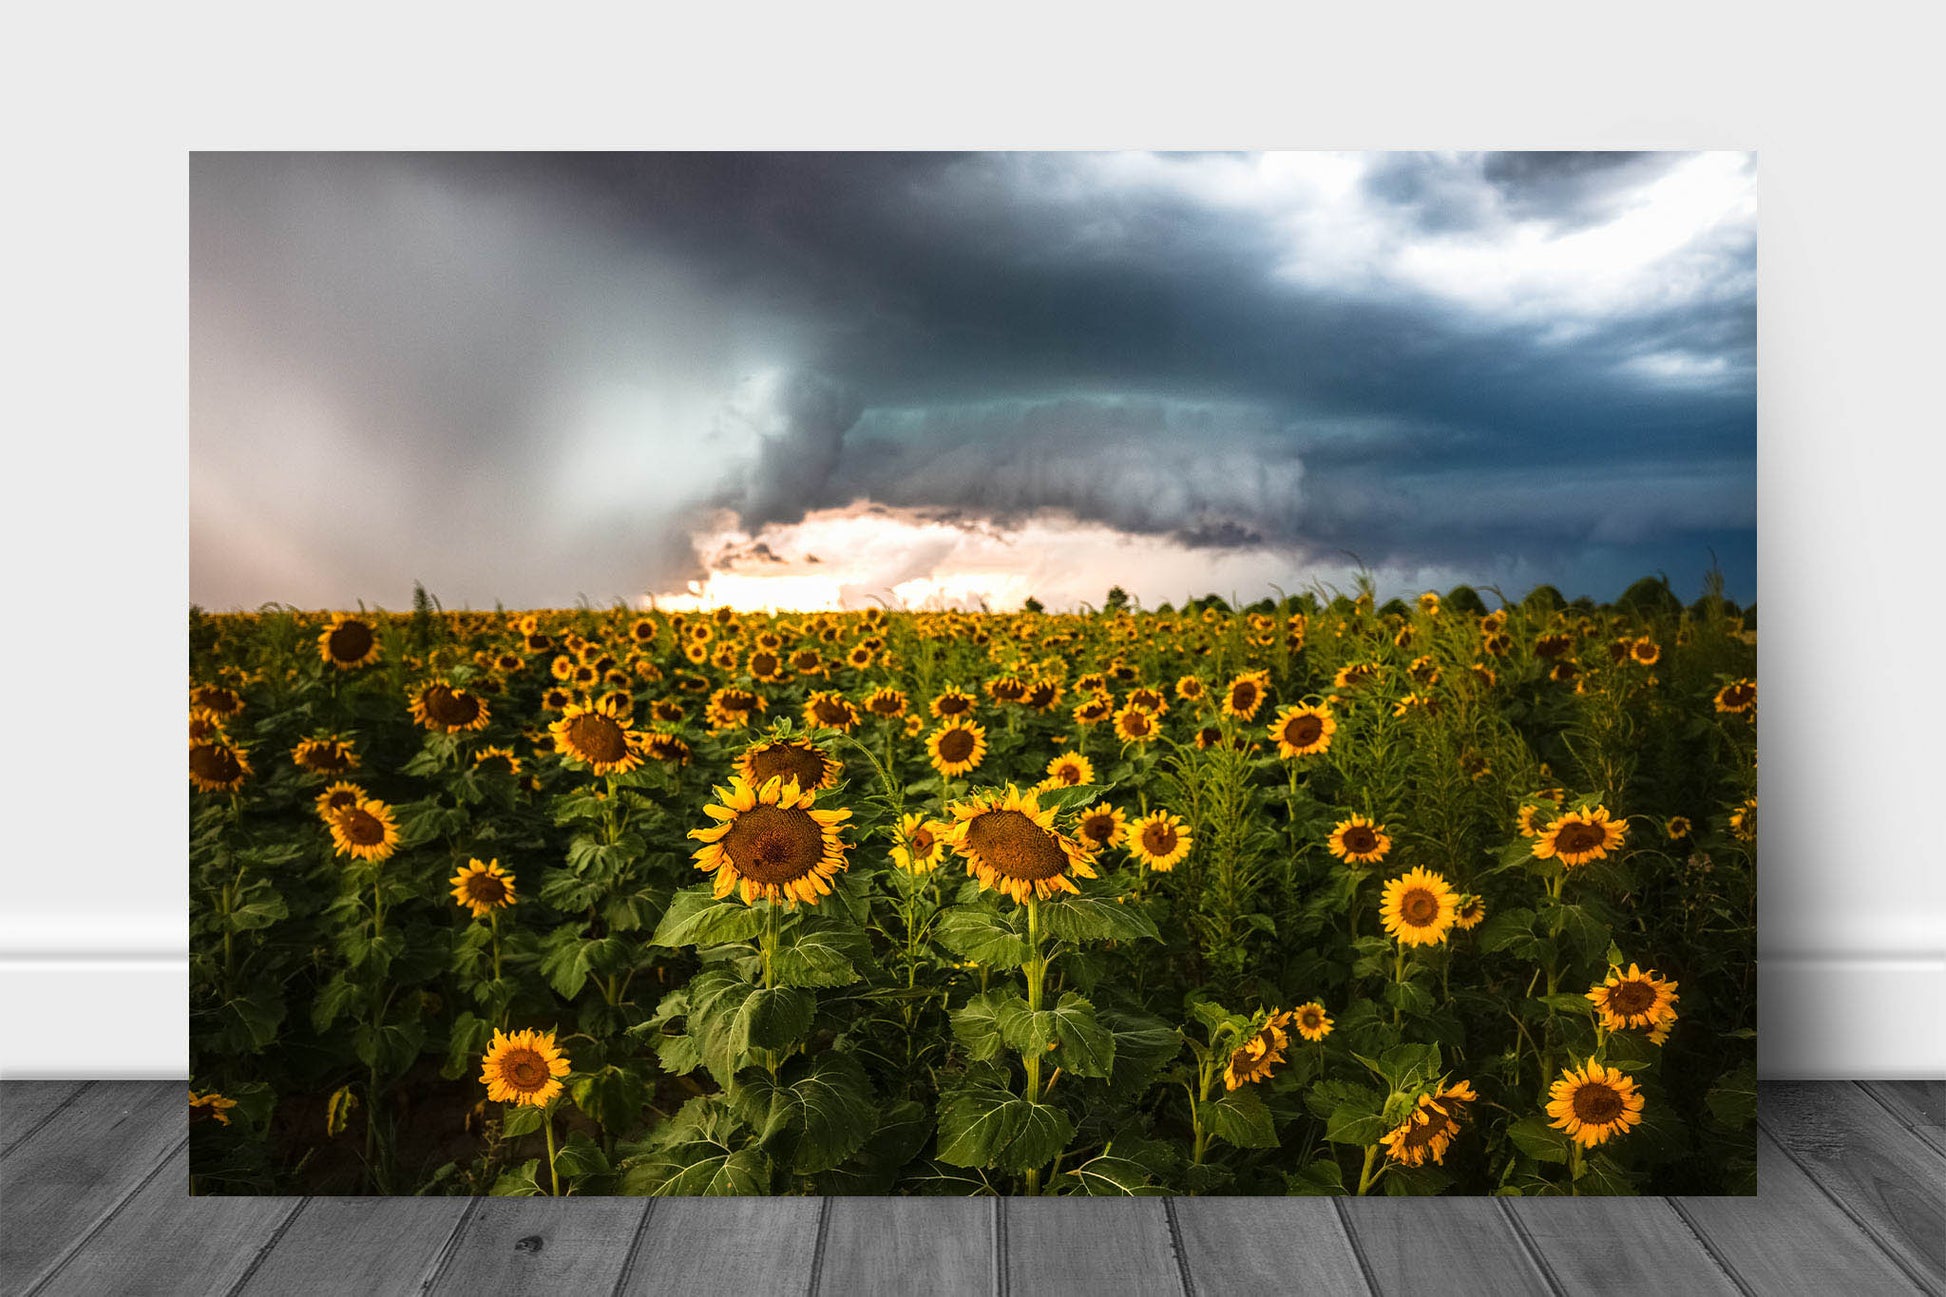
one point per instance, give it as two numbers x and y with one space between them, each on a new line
1365 1177
1030 1058
1574 1168
547 1124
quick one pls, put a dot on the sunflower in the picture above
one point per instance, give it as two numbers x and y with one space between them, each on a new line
497 758
1420 908
448 709
1303 730
1645 652
1743 820
731 708
1431 1127
1010 844
209 1105
887 702
1634 999
1101 826
1094 711
217 766
808 662
831 711
1159 840
1256 1059
483 888
216 698
1136 725
365 830
562 666
1007 689
330 756
1737 697
1593 1104
769 841
1359 841
598 738
810 765
1149 700
1191 689
205 725
1067 770
766 667
659 745
556 699
1245 694
956 747
1678 827
1580 836
916 847
952 702
340 796
1469 911
348 642
524 1068
1311 1021
1354 674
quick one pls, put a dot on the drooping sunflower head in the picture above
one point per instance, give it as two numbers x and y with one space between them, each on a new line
524 1068
1094 710
1430 1128
217 765
208 1105
1069 769
1737 697
887 702
598 737
800 759
1419 908
324 756
1007 689
771 841
1359 841
1743 820
1311 1021
1593 1103
1469 911
365 831
1136 725
339 796
1159 840
1101 826
952 702
348 642
1580 836
1303 730
205 725
447 709
916 847
827 710
671 749
732 708
956 747
483 887
1634 999
1256 1059
1010 844
500 759
1245 694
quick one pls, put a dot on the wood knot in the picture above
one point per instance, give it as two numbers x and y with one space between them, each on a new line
532 1243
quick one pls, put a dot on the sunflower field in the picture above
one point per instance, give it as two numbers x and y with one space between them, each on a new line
1317 896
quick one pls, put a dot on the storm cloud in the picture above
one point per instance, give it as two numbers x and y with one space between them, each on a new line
527 377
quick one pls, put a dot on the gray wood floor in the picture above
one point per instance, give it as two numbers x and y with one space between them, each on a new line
93 1180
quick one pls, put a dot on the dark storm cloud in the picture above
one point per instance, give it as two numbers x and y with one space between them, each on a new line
1176 346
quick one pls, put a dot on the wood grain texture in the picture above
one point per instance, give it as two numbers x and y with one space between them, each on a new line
1617 1244
24 1105
943 1247
518 1246
1920 1105
1869 1164
373 1246
164 1243
1267 1245
1443 1245
729 1245
1790 1238
1086 1245
80 1164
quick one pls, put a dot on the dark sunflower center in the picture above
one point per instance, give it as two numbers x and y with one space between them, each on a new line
214 762
1040 695
523 1069
1067 773
1011 844
340 801
486 889
768 844
885 705
1597 1103
1740 695
596 738
763 664
326 756
1631 997
1158 839
736 700
922 841
953 705
1137 722
1243 695
362 828
451 707
1098 828
1360 839
1311 1019
1419 1135
1303 731
830 711
220 701
956 745
351 641
787 761
1576 837
1419 907
1009 690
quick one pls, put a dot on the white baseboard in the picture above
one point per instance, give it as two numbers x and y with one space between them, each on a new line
124 1013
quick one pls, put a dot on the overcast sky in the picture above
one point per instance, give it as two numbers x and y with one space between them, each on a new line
804 379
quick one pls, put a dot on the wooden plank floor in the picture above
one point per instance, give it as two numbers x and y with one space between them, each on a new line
93 1183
